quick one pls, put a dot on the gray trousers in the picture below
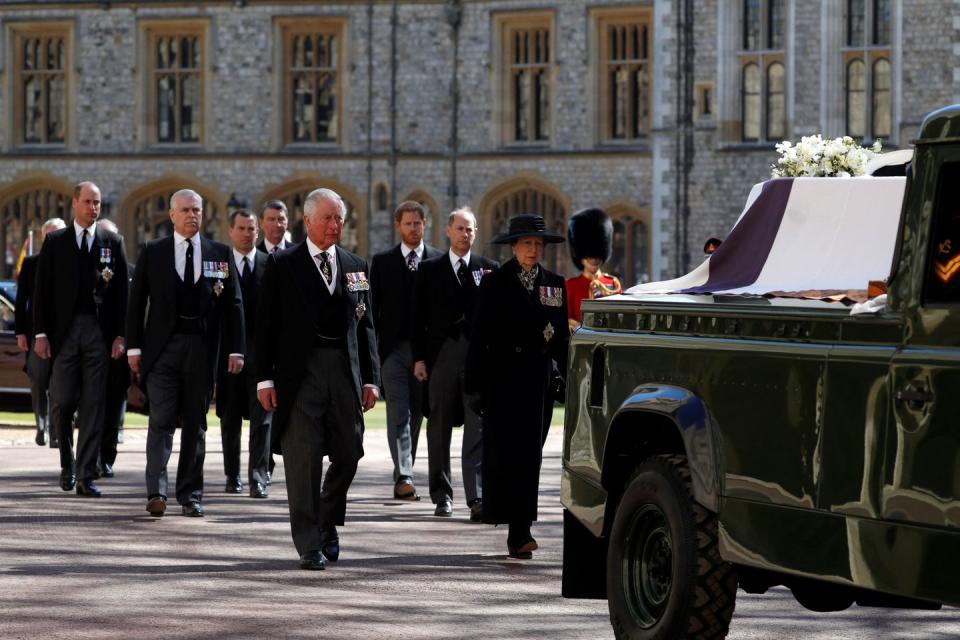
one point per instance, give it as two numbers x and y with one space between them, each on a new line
448 408
242 388
325 420
39 369
79 380
404 396
178 387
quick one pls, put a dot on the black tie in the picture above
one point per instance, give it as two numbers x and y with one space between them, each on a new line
412 262
83 242
462 272
245 274
188 266
275 248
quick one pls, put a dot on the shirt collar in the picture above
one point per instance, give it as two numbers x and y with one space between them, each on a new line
269 245
178 239
405 250
78 230
454 258
314 250
250 256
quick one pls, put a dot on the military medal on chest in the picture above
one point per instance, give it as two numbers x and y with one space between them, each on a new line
361 310
551 296
548 332
106 258
218 271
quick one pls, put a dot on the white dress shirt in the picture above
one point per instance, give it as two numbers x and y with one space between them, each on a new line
92 229
454 259
180 255
269 245
331 252
238 258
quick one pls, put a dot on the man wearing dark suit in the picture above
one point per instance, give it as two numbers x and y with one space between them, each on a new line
115 400
318 371
273 224
237 392
38 369
78 309
392 277
445 296
184 290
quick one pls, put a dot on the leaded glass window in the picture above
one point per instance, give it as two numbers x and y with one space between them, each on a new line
626 54
529 93
41 88
313 68
177 72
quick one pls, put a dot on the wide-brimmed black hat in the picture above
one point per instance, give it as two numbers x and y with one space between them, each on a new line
526 225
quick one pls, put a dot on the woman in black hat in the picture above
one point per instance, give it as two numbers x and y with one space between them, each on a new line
519 342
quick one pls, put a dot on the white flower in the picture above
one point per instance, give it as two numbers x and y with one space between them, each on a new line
814 156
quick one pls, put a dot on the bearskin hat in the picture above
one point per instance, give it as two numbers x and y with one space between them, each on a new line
591 236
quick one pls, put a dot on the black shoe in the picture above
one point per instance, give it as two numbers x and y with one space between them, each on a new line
88 489
233 485
68 481
107 471
257 490
312 561
444 508
192 509
268 480
41 437
522 550
476 510
156 505
54 443
330 544
404 489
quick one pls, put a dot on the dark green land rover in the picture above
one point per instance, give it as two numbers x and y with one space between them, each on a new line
717 441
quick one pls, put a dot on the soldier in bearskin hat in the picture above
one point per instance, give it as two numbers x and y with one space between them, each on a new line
591 242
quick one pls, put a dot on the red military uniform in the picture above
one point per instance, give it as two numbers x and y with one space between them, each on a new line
583 287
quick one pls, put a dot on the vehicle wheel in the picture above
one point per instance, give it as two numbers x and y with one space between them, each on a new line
665 577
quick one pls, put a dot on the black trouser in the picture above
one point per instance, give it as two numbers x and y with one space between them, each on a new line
241 389
79 380
39 370
178 387
325 420
115 406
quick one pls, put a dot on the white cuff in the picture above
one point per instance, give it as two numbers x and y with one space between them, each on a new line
133 352
237 355
40 335
265 384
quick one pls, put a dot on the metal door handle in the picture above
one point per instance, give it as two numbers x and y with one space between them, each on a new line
914 397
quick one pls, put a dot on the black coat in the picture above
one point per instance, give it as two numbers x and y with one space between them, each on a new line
56 289
23 309
392 297
155 284
232 387
515 342
285 330
437 313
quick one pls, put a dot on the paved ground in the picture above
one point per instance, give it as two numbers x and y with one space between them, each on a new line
79 568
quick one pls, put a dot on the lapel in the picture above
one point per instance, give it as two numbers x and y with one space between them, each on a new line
307 276
451 276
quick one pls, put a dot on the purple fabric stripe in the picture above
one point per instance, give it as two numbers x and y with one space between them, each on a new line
740 259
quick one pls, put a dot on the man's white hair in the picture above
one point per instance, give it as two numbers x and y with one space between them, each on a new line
185 193
310 204
52 224
109 225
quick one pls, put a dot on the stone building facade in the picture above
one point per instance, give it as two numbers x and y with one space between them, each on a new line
663 112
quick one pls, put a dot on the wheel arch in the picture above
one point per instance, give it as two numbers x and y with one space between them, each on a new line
660 419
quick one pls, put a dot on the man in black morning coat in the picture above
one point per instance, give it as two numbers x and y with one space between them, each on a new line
79 305
318 371
392 277
38 369
190 288
237 392
446 293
